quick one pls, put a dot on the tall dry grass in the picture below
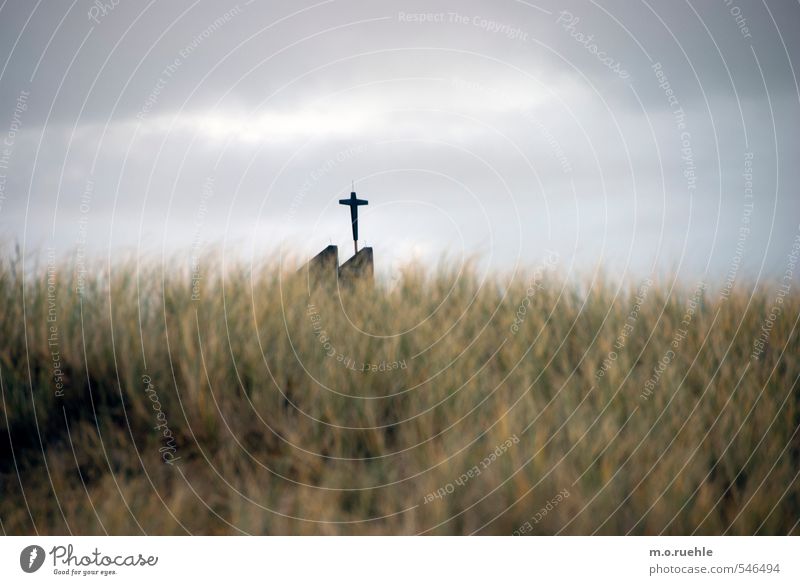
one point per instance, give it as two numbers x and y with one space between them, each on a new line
270 435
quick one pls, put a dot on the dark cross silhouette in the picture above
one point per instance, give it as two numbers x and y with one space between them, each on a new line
353 203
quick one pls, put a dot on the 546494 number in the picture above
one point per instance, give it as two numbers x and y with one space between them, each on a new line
758 568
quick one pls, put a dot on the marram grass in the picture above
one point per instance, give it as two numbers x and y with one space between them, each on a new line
449 403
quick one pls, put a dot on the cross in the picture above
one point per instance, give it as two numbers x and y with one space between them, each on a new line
353 202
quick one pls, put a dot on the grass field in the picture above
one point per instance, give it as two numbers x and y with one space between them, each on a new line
494 405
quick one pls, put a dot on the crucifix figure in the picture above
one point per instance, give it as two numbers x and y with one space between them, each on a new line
353 202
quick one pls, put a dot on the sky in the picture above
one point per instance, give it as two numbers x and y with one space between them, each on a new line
636 138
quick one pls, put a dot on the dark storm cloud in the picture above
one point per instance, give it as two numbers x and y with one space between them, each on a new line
127 47
517 125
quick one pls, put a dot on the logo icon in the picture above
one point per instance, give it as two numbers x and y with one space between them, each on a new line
31 558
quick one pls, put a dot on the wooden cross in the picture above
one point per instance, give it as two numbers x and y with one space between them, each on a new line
353 202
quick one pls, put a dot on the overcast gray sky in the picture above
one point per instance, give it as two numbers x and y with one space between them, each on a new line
618 134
